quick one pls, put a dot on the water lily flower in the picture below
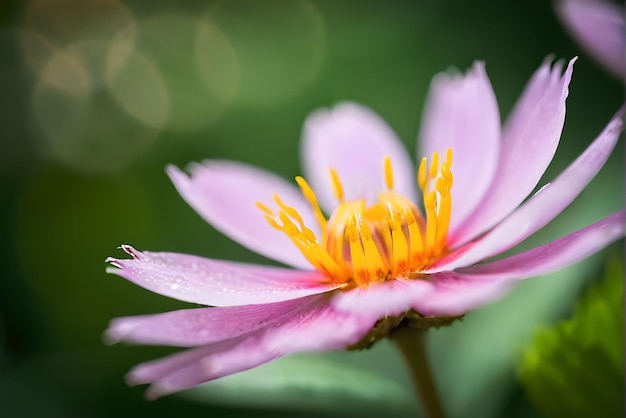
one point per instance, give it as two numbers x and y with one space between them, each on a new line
371 243
599 27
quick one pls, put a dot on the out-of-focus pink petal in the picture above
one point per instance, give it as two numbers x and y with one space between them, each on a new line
315 326
544 206
599 27
556 254
455 294
201 326
458 292
214 282
462 113
225 193
190 368
383 299
529 141
354 141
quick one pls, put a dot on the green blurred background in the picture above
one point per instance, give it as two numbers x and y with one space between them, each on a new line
97 96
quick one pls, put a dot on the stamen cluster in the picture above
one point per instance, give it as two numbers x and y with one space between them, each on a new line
363 244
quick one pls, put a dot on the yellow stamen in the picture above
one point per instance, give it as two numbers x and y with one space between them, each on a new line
430 205
360 275
388 173
421 174
415 238
337 187
434 165
400 246
265 209
309 195
374 262
363 244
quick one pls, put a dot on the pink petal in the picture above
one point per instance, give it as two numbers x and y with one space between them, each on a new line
544 206
354 141
530 139
462 113
383 299
599 26
225 193
213 282
316 326
456 294
201 326
556 254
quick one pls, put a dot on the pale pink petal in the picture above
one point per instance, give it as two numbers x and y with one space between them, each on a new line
456 294
599 27
530 138
151 371
461 113
460 291
201 326
556 254
544 206
230 357
354 141
315 326
214 282
225 193
383 299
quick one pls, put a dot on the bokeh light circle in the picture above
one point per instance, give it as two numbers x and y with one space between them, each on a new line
81 125
199 94
50 25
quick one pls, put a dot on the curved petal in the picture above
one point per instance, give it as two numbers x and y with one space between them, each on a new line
200 326
354 141
461 113
316 326
556 254
599 27
190 368
383 299
544 206
225 193
529 141
214 282
456 294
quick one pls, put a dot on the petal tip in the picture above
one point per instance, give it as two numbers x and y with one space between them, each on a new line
130 250
172 171
110 337
132 378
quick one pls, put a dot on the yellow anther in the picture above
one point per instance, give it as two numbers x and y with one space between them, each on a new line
309 195
337 187
265 209
274 224
415 237
449 158
434 165
360 274
400 246
421 174
430 205
373 259
388 173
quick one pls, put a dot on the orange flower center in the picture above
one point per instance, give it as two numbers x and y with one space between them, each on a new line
363 244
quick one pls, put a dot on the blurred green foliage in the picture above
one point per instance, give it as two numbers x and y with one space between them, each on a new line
576 368
99 95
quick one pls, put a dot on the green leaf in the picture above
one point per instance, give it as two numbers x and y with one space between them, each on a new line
575 368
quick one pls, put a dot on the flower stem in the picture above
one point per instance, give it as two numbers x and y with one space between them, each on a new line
412 345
